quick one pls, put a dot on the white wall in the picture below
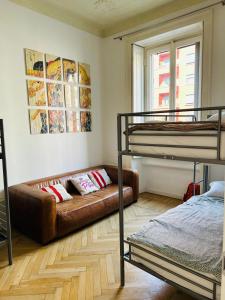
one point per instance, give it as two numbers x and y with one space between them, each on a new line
162 180
218 75
219 87
115 93
35 156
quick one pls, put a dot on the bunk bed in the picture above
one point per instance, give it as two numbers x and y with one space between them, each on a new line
197 141
5 225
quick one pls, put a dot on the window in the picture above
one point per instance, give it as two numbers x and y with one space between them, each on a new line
159 75
173 75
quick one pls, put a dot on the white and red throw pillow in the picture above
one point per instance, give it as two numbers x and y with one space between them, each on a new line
83 184
58 191
100 178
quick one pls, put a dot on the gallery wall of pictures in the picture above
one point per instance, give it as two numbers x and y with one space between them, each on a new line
59 94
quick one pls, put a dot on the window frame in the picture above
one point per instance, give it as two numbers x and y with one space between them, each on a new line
171 47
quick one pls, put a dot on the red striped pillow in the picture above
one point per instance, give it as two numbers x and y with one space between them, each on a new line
100 178
58 191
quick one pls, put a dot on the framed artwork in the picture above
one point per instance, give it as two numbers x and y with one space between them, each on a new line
36 93
69 70
71 95
53 67
85 121
38 121
55 94
72 121
34 63
56 121
85 97
84 74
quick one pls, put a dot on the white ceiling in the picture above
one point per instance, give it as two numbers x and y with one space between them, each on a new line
107 12
105 17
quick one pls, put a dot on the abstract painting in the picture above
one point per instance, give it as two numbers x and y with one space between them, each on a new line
71 96
34 62
53 67
69 70
55 95
36 93
84 74
56 121
72 121
38 121
85 121
85 97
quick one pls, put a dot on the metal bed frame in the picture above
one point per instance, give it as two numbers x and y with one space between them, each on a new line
5 225
124 122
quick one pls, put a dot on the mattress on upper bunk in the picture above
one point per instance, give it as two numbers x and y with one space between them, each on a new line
190 235
193 140
177 126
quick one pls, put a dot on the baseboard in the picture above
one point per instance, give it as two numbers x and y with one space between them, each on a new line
172 195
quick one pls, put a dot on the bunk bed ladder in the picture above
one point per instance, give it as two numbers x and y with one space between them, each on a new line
5 226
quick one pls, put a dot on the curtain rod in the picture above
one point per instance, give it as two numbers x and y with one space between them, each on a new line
120 37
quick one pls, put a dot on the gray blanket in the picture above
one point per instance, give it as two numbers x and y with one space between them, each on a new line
190 234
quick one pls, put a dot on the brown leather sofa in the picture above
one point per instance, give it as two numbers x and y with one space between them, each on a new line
36 214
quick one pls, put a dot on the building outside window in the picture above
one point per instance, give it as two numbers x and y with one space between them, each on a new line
173 76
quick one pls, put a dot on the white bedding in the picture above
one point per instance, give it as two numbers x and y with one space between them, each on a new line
179 140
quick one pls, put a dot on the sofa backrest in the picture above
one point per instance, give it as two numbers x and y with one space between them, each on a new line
61 178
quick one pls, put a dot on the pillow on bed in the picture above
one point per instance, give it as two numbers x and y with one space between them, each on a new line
216 189
215 117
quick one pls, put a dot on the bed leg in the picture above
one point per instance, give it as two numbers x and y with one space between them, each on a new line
214 291
122 273
121 204
121 220
205 178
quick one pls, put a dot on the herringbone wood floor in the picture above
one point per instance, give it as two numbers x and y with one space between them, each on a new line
85 264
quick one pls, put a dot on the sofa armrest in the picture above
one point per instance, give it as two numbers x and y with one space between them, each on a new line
33 212
130 178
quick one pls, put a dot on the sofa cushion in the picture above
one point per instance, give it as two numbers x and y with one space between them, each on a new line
58 191
100 178
83 184
82 210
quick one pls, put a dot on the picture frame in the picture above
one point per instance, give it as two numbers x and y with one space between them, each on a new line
56 121
55 94
71 96
53 67
86 121
69 70
38 121
34 63
84 74
72 121
85 97
36 93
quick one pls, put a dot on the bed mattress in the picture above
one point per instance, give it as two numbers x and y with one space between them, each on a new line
194 140
190 234
178 126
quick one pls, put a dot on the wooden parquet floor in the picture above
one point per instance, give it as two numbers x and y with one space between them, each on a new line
85 264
